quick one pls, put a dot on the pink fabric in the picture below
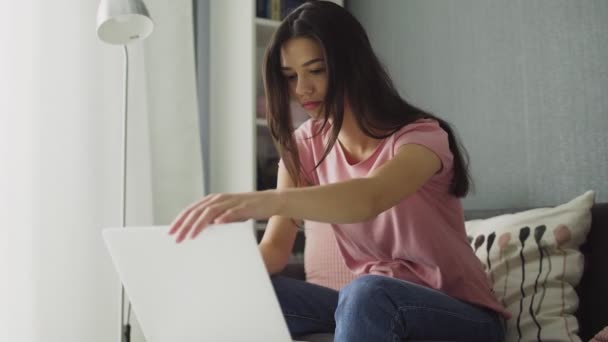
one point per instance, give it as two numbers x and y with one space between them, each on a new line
602 336
323 263
422 239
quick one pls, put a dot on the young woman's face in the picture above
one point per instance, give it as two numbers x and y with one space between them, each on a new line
304 69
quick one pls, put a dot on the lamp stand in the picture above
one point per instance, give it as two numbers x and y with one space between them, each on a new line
120 22
125 329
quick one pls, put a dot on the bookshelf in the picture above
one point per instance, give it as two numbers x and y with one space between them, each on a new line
240 146
239 139
231 120
266 154
241 151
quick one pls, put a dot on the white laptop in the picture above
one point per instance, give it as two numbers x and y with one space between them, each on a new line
213 288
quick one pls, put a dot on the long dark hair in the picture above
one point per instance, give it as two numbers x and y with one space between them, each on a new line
353 70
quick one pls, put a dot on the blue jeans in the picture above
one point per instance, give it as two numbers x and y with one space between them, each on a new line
378 308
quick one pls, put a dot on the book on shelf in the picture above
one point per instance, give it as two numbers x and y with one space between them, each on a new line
275 9
289 5
260 8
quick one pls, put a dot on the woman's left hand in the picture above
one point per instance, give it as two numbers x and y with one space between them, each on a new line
224 208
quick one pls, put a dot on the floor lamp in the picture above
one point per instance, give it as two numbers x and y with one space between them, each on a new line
121 22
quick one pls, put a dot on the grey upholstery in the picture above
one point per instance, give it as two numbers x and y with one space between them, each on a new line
318 338
330 338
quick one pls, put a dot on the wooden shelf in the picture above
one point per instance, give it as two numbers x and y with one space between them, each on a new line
264 30
267 22
261 122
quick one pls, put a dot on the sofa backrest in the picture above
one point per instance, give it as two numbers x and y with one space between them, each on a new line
592 313
593 289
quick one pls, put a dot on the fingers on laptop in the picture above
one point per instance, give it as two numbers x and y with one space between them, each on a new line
196 217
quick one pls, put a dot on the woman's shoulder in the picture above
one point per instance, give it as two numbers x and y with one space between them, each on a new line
428 133
311 129
420 125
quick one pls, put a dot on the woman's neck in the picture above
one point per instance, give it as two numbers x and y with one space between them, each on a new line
353 140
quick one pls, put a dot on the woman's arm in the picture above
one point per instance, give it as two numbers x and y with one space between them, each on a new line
280 234
351 201
361 199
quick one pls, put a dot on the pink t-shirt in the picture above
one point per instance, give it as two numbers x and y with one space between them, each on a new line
422 239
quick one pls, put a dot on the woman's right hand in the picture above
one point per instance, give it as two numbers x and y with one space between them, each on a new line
224 208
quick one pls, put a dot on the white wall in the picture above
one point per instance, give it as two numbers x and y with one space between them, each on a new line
176 169
61 134
231 88
177 175
60 167
523 81
16 250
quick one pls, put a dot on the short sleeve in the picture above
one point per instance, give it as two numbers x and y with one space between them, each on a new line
428 133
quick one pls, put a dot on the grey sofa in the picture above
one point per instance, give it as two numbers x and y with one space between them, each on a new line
592 313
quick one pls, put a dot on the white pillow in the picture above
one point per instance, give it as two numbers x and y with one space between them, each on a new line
539 292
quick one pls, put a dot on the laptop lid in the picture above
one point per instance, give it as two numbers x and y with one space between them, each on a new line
212 288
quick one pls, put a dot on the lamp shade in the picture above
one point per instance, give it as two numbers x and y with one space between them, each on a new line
123 21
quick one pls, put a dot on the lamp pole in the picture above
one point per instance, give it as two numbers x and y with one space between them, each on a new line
121 22
125 329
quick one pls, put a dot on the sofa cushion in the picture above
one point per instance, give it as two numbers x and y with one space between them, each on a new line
534 262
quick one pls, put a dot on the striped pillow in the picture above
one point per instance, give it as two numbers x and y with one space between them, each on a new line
534 262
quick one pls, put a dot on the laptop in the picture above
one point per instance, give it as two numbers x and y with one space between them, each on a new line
213 288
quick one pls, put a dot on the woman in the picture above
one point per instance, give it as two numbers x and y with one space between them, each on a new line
386 175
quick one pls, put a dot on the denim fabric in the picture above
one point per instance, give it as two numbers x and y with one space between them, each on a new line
378 308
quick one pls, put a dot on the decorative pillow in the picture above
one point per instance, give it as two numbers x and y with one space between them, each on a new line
533 260
602 336
323 262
